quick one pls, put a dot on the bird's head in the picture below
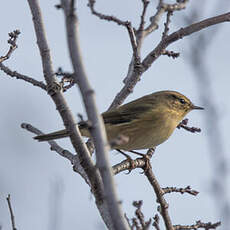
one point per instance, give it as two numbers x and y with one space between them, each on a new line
175 103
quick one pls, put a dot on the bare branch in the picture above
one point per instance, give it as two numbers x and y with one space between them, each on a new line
74 159
98 129
25 78
153 55
140 216
179 34
166 24
66 78
12 41
53 144
91 5
54 89
142 162
180 190
170 53
183 124
11 213
156 222
142 23
160 198
198 225
161 9
127 24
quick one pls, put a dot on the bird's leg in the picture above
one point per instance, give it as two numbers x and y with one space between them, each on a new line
135 152
131 161
145 157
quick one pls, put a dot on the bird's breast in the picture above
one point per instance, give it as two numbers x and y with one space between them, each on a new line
142 134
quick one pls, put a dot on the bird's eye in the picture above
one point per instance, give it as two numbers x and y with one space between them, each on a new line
182 101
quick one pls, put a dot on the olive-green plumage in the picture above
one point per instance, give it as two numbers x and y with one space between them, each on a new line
146 122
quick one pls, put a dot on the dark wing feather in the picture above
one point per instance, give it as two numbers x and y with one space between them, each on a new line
127 112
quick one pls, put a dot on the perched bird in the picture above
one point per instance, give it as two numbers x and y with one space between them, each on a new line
146 122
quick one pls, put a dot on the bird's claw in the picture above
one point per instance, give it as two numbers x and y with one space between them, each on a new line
147 165
129 159
146 158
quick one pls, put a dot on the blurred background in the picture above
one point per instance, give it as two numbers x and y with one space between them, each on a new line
45 192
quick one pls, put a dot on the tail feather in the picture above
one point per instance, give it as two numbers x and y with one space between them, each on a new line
51 136
62 133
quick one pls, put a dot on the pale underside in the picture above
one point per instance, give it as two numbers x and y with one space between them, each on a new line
152 135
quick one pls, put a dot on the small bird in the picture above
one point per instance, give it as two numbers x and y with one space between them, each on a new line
146 122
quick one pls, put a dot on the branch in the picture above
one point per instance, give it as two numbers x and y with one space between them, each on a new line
12 41
140 216
142 162
170 53
126 24
66 78
127 165
161 9
54 90
138 221
198 225
11 213
166 24
53 144
98 129
74 159
180 190
25 78
183 124
153 55
156 222
179 34
145 4
160 198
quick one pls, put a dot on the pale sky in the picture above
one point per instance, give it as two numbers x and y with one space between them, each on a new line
39 180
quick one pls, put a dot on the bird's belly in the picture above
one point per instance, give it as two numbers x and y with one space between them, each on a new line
138 138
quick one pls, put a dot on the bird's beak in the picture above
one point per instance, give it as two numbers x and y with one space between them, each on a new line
196 107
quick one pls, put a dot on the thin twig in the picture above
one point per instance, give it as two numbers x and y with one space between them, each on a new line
140 216
198 225
145 4
156 222
161 9
126 24
25 78
166 24
11 213
180 190
66 78
53 144
170 53
183 124
91 5
74 159
12 41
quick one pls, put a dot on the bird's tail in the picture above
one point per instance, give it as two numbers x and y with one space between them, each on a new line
63 133
52 136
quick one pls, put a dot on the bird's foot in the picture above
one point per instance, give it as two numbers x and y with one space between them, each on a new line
131 161
146 158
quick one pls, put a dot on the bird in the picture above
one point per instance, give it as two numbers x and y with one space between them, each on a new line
146 122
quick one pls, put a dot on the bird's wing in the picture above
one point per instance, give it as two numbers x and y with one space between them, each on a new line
125 113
